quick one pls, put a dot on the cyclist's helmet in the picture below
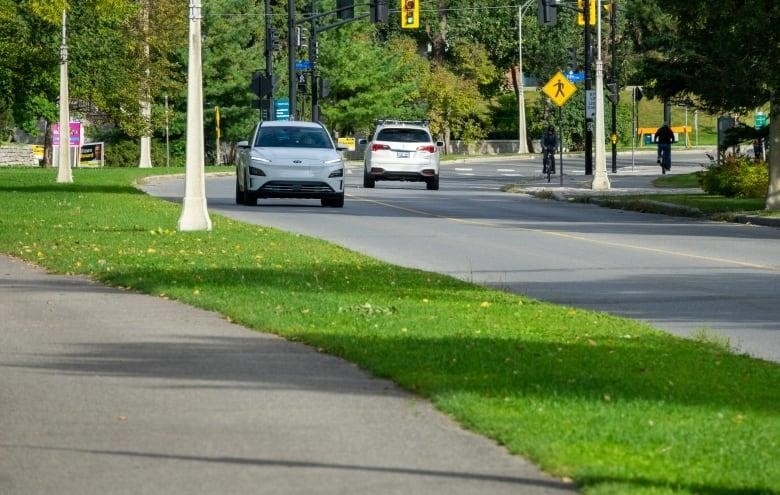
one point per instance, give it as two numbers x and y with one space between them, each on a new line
551 129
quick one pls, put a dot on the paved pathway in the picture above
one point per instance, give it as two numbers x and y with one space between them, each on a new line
105 392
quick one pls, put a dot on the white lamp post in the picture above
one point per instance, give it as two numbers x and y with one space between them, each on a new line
64 173
522 145
194 215
600 180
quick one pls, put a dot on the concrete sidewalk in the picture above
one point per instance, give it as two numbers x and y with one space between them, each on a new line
104 391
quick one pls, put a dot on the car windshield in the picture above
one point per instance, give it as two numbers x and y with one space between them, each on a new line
403 135
292 137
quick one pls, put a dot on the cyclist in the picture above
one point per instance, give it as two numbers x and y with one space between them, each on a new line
549 145
664 137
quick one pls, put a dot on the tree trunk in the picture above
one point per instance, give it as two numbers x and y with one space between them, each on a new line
515 72
773 156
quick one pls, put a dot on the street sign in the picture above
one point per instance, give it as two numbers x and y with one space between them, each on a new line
575 77
559 89
282 109
303 65
759 120
590 104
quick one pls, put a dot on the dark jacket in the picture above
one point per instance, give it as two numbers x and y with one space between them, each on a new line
664 135
550 140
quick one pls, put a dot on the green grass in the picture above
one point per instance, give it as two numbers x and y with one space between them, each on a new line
714 206
615 405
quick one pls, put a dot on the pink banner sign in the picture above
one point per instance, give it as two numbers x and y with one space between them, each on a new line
74 137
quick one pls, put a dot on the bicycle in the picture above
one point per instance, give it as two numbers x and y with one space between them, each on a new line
548 162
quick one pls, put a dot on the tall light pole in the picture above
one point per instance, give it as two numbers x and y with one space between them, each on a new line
600 181
194 215
522 145
292 83
64 173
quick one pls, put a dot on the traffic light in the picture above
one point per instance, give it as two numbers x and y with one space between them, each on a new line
379 11
614 95
548 12
274 43
581 12
410 14
345 9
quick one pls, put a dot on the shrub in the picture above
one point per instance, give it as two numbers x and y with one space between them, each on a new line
736 177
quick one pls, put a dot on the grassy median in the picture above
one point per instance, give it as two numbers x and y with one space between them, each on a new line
612 404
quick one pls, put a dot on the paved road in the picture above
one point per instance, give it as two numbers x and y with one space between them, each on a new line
107 392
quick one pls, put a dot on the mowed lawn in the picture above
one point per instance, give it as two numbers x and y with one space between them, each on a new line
613 404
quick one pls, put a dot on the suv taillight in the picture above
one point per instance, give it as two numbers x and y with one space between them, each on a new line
428 147
379 147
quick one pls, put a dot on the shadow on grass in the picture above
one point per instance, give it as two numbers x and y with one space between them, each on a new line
510 348
70 188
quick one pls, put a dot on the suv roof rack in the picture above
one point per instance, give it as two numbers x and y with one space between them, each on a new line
423 123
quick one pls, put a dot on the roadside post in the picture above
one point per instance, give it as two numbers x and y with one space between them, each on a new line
559 89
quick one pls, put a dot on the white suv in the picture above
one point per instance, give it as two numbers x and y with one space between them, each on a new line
404 151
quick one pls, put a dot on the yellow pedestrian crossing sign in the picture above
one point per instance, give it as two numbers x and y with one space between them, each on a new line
559 89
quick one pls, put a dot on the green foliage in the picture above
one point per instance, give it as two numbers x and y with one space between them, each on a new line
736 176
369 80
126 153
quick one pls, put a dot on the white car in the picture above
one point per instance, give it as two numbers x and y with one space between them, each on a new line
290 159
404 151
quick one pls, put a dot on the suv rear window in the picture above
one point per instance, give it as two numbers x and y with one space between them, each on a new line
403 135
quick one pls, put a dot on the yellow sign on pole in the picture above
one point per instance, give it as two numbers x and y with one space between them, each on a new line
559 89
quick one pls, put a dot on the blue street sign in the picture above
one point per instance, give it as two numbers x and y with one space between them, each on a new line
575 76
303 65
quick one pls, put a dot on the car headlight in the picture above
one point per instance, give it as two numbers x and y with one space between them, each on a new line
255 171
336 173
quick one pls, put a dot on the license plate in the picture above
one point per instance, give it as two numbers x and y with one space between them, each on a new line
403 154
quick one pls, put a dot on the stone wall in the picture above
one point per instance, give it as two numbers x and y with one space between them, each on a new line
17 155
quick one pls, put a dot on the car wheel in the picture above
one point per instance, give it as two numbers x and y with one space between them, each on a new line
433 183
368 181
335 202
239 194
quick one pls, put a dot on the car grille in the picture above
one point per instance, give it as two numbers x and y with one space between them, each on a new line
295 188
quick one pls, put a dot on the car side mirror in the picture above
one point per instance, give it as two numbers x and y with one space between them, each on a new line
243 144
341 147
440 144
362 141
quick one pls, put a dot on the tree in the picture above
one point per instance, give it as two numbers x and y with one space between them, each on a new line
719 55
370 80
29 58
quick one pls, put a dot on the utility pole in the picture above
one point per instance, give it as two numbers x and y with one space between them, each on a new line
269 62
194 215
315 103
64 173
615 83
292 83
588 88
600 180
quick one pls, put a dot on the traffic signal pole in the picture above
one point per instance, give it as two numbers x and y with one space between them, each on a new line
292 83
615 84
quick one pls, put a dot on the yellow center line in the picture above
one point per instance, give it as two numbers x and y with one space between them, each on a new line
564 235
